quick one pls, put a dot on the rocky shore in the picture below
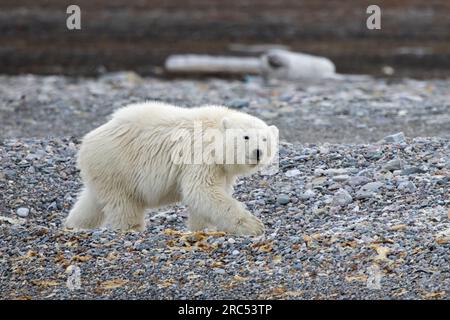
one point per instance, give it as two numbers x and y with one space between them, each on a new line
359 207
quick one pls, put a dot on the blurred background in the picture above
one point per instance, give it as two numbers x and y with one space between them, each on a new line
138 35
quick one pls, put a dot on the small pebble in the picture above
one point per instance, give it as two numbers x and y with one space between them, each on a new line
283 199
342 198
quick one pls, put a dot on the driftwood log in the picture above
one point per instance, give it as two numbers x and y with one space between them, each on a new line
205 64
275 63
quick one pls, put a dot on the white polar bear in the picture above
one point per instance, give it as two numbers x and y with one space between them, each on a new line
154 154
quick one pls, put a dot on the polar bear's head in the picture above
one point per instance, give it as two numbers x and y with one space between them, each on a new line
249 143
237 142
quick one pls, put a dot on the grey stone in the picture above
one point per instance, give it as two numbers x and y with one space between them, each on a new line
10 174
239 103
392 165
407 186
412 170
268 114
368 190
358 180
298 266
283 199
336 172
219 271
342 198
334 186
319 181
52 206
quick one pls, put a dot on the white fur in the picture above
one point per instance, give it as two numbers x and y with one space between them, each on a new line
126 167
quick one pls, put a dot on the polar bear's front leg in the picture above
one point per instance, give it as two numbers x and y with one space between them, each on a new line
214 206
125 215
229 185
197 222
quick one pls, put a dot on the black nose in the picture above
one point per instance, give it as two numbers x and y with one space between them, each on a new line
258 154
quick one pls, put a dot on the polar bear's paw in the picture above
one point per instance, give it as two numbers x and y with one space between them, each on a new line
247 224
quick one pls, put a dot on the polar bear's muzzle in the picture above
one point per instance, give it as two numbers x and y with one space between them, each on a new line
257 154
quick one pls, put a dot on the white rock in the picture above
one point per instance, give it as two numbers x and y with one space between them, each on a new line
308 194
336 172
292 173
319 172
341 178
395 138
23 212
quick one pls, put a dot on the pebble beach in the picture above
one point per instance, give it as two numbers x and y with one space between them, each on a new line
358 209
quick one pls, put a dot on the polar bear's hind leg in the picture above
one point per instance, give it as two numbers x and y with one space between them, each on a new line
87 213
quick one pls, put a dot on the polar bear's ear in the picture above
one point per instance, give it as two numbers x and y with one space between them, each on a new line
226 123
274 130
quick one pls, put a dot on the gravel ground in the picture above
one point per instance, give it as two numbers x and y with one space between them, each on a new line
351 110
355 211
343 221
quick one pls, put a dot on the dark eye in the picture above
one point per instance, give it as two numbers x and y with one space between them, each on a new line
246 137
274 61
264 139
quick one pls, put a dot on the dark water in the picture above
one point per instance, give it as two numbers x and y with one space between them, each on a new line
414 38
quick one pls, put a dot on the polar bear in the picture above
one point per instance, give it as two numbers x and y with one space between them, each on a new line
154 154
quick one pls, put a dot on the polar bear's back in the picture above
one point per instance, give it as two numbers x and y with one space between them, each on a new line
155 114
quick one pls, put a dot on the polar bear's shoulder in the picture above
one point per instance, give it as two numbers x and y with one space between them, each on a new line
155 112
147 110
